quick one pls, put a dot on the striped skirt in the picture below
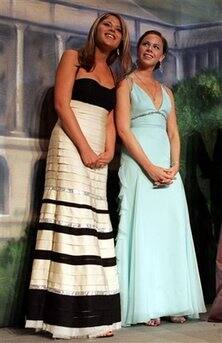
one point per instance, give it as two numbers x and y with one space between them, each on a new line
74 289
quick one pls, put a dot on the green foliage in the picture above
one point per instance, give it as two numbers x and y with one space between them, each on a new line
199 106
12 256
184 11
199 102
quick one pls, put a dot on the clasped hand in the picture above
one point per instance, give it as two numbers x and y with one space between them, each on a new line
92 160
162 176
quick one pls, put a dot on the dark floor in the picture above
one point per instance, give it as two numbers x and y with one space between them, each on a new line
195 331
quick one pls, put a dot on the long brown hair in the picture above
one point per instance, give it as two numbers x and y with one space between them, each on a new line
87 53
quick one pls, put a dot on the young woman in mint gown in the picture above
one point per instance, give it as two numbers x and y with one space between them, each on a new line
156 260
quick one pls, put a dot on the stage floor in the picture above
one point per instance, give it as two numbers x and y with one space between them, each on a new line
190 332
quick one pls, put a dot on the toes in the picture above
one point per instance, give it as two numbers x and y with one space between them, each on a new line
107 334
178 320
153 322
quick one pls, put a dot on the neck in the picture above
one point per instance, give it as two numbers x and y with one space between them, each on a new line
101 56
146 73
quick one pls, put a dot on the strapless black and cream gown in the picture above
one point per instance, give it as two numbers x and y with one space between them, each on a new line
74 287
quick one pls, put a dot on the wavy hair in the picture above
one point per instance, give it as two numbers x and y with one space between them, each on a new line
87 53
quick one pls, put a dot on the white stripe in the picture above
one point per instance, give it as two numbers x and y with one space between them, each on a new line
75 222
67 333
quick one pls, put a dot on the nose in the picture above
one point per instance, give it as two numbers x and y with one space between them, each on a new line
112 28
150 47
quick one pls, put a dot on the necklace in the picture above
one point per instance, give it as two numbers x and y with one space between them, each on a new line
154 84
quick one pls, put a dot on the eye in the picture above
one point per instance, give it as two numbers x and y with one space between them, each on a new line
119 30
157 47
106 23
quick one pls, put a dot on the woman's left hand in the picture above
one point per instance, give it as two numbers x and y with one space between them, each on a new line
172 171
104 158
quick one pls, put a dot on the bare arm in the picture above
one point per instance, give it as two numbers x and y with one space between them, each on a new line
110 134
107 155
64 82
158 174
174 137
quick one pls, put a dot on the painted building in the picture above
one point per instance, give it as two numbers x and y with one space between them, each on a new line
33 36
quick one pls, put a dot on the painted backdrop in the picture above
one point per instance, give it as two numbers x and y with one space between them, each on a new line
33 36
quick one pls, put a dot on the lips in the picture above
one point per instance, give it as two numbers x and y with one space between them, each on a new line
110 36
149 56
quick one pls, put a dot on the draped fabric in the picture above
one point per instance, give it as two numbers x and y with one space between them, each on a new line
156 259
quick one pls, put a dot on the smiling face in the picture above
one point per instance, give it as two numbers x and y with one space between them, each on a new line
109 33
150 51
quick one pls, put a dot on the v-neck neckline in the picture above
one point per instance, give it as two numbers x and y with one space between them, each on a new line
149 96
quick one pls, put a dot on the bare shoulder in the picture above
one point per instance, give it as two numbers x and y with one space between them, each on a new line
170 93
70 56
126 83
121 85
168 90
71 53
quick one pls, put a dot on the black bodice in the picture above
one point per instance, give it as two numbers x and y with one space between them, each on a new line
90 91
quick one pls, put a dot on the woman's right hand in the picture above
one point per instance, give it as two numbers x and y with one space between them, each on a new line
159 175
89 157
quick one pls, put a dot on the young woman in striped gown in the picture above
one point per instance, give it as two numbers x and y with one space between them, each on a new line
74 289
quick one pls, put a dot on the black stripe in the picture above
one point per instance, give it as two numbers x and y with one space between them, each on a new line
73 311
70 204
75 231
90 91
74 260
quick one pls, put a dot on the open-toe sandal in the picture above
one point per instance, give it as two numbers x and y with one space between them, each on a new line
154 322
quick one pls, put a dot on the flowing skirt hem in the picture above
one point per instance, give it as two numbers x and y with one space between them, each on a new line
192 316
67 332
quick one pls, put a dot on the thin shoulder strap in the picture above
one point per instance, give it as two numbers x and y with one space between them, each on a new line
78 66
129 80
77 69
165 88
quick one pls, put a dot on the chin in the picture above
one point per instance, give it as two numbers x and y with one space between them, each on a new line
110 46
146 64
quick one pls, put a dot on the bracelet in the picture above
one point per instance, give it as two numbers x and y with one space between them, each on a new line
175 163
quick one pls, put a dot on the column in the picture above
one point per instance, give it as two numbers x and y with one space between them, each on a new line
19 96
61 39
205 60
179 66
192 64
216 59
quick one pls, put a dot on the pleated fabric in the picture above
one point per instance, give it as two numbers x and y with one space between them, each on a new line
156 259
74 289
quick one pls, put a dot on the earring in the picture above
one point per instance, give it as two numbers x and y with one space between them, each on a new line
161 68
117 51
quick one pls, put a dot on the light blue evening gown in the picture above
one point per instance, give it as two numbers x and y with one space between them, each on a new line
156 259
